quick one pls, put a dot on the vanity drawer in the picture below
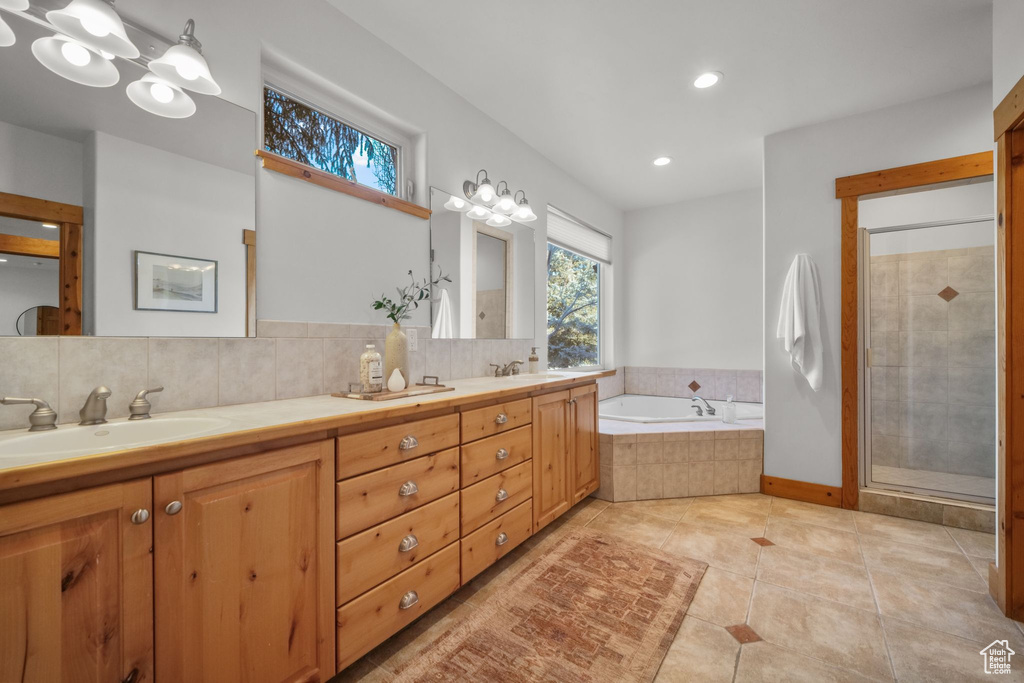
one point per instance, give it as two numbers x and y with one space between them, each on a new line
482 422
485 457
378 496
494 540
496 495
377 554
376 448
373 617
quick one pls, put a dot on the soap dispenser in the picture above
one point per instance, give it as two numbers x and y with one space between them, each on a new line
534 360
729 416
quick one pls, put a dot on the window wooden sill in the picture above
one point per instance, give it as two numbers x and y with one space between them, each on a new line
288 167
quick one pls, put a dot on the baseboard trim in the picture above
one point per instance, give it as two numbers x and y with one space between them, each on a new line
802 490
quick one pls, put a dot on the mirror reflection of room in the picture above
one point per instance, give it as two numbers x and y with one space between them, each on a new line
29 278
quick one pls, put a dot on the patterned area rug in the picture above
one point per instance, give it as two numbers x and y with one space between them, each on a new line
590 608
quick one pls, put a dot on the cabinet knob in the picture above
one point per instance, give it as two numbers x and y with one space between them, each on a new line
502 539
408 543
173 508
132 676
408 489
502 495
140 516
501 419
408 443
408 600
501 454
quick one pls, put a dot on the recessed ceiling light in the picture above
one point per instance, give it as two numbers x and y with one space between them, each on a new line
663 161
51 226
3 260
708 79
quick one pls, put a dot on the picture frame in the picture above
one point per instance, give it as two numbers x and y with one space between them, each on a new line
166 282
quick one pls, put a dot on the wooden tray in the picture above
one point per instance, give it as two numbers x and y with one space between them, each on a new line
418 390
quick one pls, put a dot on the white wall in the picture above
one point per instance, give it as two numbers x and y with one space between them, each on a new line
146 199
40 165
1007 47
937 204
802 215
692 275
20 289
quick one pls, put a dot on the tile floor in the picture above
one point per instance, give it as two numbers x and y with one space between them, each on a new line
941 482
830 595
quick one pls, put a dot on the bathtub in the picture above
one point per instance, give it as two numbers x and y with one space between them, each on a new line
631 408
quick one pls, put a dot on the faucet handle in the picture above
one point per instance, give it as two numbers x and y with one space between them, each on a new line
42 419
140 407
497 369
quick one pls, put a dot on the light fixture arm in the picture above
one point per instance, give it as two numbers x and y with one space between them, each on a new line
188 37
515 197
470 187
497 188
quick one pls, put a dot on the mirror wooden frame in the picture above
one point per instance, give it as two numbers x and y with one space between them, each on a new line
68 249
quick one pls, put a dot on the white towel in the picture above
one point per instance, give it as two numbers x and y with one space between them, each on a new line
799 319
443 320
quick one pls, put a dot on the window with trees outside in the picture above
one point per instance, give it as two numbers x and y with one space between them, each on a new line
574 309
299 132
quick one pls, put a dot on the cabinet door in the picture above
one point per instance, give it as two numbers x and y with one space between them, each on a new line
76 586
244 568
586 464
552 492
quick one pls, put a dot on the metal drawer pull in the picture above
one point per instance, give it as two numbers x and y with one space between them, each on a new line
408 600
502 495
501 419
173 508
408 443
408 543
501 454
408 488
502 539
140 516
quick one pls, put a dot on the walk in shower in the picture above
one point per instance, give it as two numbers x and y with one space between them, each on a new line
930 362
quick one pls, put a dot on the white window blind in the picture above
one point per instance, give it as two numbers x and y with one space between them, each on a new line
566 231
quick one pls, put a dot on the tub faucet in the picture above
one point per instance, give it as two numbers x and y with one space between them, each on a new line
707 406
94 412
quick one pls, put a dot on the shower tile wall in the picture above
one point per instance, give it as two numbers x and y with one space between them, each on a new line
933 361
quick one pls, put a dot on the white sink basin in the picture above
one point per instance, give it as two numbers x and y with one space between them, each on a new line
539 375
68 441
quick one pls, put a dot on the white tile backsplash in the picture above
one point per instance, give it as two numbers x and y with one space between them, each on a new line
742 385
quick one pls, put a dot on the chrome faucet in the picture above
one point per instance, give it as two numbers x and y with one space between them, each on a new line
507 370
140 407
42 419
707 406
94 412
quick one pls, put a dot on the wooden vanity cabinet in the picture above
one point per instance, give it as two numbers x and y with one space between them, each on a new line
552 471
244 568
586 464
76 586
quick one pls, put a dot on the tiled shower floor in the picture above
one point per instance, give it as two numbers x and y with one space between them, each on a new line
946 482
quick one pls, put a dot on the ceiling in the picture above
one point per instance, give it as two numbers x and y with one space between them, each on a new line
603 87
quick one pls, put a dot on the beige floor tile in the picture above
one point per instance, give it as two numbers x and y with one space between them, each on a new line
722 598
817 575
975 543
923 655
921 562
980 565
669 508
700 652
766 663
363 671
754 502
584 511
402 648
937 606
633 526
718 547
905 530
737 517
809 513
811 538
839 635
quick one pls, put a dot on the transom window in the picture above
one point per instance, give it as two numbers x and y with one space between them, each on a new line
299 132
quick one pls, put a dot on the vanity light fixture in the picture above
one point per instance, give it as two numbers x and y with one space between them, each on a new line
479 213
95 24
498 221
7 37
506 204
72 60
456 204
184 65
480 191
159 97
707 79
523 212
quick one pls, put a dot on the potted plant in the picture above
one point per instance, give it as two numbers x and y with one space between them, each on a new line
396 345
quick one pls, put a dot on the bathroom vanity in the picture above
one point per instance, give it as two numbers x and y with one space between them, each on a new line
289 543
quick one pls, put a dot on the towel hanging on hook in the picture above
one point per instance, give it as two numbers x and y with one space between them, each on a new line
800 319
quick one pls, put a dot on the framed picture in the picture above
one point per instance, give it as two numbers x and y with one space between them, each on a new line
164 282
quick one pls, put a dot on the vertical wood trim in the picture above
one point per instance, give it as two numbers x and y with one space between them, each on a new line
70 307
850 355
249 240
1013 360
999 578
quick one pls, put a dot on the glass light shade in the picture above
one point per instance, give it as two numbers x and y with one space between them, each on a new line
161 98
186 68
498 221
95 24
6 34
456 204
70 59
479 213
14 5
485 194
505 204
523 213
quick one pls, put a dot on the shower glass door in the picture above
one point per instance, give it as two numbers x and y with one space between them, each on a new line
930 363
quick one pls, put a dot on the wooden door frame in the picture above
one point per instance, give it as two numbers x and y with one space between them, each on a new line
1006 575
849 190
69 250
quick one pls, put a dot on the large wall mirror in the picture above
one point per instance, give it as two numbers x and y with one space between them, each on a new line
491 265
161 202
